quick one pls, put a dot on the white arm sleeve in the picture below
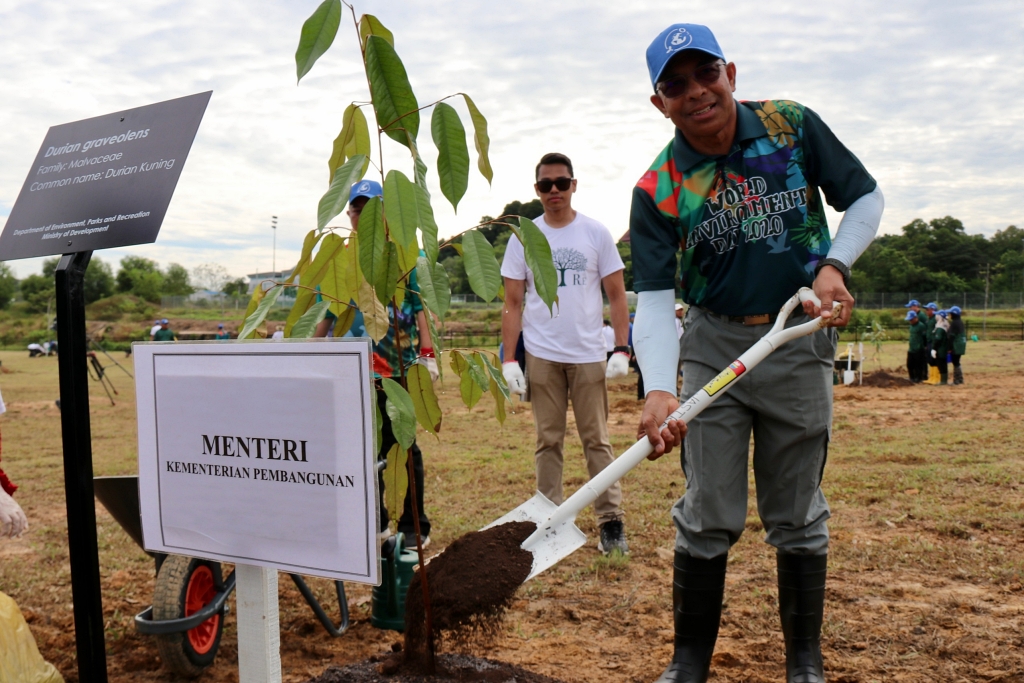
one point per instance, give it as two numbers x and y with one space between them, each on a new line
655 340
857 228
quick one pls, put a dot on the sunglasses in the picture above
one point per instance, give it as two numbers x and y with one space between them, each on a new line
562 184
705 75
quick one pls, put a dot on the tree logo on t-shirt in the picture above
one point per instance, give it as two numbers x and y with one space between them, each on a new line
570 259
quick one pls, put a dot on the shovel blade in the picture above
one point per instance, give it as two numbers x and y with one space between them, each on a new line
555 543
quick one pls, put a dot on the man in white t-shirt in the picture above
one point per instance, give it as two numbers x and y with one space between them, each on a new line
153 330
565 348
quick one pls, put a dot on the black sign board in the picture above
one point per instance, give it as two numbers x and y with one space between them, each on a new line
103 182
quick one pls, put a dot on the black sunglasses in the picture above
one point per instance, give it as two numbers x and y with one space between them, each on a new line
705 75
562 184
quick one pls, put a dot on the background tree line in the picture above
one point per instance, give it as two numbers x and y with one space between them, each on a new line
136 276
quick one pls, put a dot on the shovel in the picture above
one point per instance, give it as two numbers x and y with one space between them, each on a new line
557 535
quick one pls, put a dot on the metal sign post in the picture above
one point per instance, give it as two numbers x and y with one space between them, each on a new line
77 439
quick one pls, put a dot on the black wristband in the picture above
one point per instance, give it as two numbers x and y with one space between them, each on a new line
838 265
621 349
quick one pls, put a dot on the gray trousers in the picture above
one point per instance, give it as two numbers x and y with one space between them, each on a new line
786 402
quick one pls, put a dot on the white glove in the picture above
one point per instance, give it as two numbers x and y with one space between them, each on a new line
430 363
12 518
618 366
514 377
933 354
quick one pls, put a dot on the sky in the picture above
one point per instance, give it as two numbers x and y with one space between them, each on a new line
926 93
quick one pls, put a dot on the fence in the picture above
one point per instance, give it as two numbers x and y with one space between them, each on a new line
901 331
972 300
218 303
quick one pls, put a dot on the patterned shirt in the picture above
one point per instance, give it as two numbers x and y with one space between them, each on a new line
385 352
750 224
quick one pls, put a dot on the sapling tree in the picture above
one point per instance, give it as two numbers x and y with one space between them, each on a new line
397 243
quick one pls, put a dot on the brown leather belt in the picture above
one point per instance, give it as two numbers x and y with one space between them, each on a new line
760 319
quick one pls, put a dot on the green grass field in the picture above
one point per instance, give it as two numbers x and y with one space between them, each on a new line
926 565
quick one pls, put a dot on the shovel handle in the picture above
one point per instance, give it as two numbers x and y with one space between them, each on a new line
693 407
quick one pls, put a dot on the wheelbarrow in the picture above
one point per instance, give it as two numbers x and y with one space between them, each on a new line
191 594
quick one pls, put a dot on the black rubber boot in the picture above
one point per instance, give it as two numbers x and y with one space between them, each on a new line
943 378
958 375
697 589
802 607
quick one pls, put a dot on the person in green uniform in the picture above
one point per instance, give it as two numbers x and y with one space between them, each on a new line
940 346
933 373
958 342
916 353
222 333
164 333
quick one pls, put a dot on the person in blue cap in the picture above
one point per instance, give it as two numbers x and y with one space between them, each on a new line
738 191
164 333
387 355
930 310
957 342
940 346
222 333
916 360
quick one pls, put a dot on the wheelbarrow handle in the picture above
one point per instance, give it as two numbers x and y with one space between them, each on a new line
708 394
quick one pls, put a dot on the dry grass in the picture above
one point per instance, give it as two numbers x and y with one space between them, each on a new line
926 565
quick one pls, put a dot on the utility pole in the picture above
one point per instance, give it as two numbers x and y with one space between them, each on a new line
273 226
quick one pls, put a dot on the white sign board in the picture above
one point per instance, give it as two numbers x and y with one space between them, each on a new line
260 453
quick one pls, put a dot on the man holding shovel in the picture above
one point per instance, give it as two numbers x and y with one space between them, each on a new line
737 191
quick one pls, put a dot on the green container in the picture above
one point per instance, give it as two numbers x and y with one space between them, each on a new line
389 597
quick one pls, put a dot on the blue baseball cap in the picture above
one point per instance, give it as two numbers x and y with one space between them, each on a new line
932 305
365 188
913 302
164 321
955 310
675 39
911 315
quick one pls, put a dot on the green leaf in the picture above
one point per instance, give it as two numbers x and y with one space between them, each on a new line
396 480
481 266
452 153
436 341
260 314
480 139
385 287
303 300
477 371
344 322
401 206
468 387
499 402
370 25
400 409
496 378
306 325
393 99
308 244
372 239
335 284
353 139
419 167
428 411
317 35
375 316
336 197
378 423
436 295
427 224
538 258
330 249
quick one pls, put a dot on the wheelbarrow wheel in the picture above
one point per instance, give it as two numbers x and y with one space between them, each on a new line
183 587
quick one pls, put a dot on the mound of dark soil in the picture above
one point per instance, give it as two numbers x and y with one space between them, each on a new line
884 380
471 585
449 668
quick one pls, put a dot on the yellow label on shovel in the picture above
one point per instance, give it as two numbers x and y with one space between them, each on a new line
724 378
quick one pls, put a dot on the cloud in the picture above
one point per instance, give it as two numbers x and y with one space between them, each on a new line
925 94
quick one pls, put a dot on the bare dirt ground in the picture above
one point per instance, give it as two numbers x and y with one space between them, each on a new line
926 566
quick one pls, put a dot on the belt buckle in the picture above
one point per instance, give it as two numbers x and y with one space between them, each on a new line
762 319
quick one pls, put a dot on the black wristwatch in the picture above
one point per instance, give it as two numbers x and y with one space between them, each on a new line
838 265
621 349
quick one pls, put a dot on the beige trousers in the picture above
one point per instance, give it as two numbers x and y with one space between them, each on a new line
551 386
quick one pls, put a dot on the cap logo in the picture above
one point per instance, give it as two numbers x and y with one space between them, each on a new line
365 187
677 40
